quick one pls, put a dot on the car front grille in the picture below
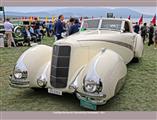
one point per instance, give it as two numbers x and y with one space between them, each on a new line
60 66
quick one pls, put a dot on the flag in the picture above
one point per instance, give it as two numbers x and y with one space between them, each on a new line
38 18
46 19
154 20
30 19
53 19
129 17
140 20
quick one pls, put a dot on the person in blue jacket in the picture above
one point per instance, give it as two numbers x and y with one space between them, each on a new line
137 28
59 27
75 27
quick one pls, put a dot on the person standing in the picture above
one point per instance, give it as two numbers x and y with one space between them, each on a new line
136 28
151 33
144 31
59 27
155 40
37 26
50 29
8 26
155 27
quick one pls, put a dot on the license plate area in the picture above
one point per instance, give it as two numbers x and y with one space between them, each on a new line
88 104
54 91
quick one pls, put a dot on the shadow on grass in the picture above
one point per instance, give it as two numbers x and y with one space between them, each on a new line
66 102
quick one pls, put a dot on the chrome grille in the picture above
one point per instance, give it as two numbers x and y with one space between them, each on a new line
60 66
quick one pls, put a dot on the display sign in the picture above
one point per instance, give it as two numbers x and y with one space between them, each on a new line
109 15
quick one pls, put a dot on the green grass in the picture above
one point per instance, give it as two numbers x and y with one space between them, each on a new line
138 94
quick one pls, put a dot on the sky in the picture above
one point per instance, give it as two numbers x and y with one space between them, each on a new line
142 10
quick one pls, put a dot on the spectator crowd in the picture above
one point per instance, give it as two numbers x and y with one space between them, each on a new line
39 29
60 28
149 32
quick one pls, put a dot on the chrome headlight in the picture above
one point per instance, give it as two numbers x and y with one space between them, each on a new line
20 74
20 71
92 81
41 81
92 86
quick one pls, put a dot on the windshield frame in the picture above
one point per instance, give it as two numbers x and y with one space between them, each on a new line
100 23
91 28
121 24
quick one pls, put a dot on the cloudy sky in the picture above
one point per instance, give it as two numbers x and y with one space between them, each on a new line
143 10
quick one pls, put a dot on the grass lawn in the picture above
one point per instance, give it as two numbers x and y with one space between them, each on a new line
138 94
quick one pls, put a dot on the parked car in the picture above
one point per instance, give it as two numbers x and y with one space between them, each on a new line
90 63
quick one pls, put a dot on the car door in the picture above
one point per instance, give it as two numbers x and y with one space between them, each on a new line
127 33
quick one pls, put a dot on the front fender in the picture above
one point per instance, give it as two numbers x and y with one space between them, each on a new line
109 67
35 59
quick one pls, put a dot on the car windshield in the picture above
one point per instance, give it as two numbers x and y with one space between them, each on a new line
90 24
111 25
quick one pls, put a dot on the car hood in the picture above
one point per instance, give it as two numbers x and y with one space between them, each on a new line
91 35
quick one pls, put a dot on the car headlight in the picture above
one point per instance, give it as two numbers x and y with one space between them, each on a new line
20 71
41 81
92 86
20 74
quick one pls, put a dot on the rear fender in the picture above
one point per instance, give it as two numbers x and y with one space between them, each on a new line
138 46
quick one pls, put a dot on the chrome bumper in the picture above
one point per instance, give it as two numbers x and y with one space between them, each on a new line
98 99
18 83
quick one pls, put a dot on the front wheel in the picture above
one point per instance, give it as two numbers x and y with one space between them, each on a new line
135 60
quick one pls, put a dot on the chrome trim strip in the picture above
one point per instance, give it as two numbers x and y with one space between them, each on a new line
74 83
58 67
115 42
98 100
20 83
92 74
91 95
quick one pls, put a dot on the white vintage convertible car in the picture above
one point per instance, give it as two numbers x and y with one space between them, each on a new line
90 63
